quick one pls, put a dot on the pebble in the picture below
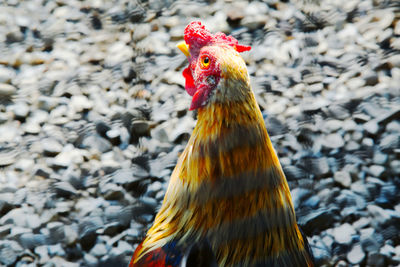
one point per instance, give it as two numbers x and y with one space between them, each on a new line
333 141
344 234
51 147
371 127
65 189
356 255
376 170
343 178
316 220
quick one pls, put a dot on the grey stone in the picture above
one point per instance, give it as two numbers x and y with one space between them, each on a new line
90 260
312 202
389 142
371 127
7 90
389 116
56 250
388 251
379 158
21 110
6 75
320 167
356 255
99 250
67 157
94 141
51 147
333 141
343 178
376 170
361 223
352 146
42 251
344 234
370 240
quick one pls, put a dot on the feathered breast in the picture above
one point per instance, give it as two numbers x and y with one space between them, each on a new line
228 186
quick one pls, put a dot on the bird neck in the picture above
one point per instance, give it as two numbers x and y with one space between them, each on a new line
229 187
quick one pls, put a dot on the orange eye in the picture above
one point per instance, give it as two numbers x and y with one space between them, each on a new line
205 62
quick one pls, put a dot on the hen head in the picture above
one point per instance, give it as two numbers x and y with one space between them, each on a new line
216 72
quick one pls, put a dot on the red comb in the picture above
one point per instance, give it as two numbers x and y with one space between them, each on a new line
196 36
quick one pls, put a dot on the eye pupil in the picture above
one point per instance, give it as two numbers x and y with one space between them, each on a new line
206 60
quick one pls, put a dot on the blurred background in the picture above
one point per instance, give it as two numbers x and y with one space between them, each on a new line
93 115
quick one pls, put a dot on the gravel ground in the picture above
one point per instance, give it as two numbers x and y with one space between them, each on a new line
93 115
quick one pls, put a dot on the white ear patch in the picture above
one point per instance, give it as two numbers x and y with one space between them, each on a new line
211 80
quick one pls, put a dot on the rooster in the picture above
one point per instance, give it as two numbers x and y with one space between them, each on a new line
228 192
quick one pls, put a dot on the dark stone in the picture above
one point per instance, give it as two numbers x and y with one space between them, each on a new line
112 191
5 206
96 21
132 179
102 128
375 259
139 128
113 136
87 232
361 118
64 189
14 37
388 196
294 173
112 260
317 220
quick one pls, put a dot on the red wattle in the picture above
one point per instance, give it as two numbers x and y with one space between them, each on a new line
189 82
199 98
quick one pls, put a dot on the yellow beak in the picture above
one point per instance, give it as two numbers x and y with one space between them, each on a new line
184 48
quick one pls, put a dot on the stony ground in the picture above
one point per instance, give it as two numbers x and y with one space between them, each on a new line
93 115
